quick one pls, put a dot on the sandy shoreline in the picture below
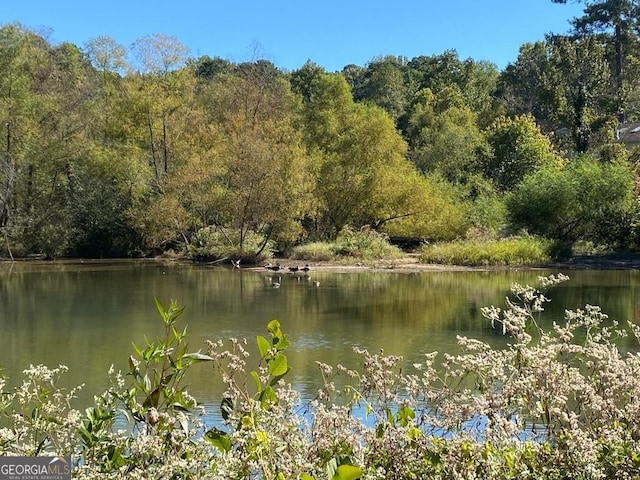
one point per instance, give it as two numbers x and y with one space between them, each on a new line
410 264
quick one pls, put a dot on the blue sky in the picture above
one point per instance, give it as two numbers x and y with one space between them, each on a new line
331 33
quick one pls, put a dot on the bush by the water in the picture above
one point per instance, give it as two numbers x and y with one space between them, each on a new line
508 251
362 244
211 244
559 404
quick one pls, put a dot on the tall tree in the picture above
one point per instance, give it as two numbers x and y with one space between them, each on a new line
384 83
518 149
161 89
110 60
261 153
565 83
528 86
618 20
567 203
588 104
45 106
443 135
359 167
475 80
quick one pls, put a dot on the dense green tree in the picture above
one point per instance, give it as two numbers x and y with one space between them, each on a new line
443 135
45 103
567 203
588 105
355 172
384 82
207 68
97 158
517 149
354 75
20 53
475 80
103 188
420 207
565 84
306 80
616 20
360 170
528 86
327 105
261 156
161 92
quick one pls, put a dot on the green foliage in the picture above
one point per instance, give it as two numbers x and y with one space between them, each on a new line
566 204
106 156
443 135
357 151
385 83
428 208
475 79
155 404
364 243
518 148
158 371
487 209
314 251
509 251
217 243
350 244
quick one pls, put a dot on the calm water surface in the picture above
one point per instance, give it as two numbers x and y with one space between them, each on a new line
86 315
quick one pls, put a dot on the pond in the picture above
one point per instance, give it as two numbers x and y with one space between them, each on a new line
86 315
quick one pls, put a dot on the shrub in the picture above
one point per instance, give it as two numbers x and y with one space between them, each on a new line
314 251
509 251
365 243
567 204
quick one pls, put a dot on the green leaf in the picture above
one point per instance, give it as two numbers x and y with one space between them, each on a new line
405 414
273 327
282 343
277 378
160 309
263 346
390 418
218 439
348 472
306 476
278 366
153 399
414 434
268 397
257 381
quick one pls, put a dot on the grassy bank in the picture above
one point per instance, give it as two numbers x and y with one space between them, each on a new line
517 251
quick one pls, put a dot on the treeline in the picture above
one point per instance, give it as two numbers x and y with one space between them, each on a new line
109 151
